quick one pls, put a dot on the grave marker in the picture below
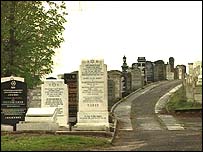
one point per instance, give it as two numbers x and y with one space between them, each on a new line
93 102
55 94
13 100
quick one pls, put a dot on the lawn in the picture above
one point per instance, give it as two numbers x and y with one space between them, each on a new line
30 142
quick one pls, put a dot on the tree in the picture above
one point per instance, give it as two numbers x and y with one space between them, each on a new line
30 32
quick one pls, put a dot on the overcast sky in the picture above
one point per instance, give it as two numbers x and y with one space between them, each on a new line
109 30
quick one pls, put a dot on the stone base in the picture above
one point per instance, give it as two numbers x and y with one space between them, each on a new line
6 128
40 119
45 126
91 127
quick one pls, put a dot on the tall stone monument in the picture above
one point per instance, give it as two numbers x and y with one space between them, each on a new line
55 94
93 104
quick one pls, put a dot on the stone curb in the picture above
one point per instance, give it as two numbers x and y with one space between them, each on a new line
161 103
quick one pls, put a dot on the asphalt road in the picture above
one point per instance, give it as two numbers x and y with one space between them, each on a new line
140 129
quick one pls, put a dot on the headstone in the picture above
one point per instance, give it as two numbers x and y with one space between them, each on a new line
159 69
71 79
93 104
199 80
142 66
55 94
169 74
149 69
115 75
198 93
13 100
111 92
128 82
136 79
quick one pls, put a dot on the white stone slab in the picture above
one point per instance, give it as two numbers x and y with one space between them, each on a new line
93 95
55 94
4 79
46 111
41 115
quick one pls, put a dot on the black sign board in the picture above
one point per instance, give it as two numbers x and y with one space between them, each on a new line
13 102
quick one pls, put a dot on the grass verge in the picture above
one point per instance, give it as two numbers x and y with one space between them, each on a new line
30 142
178 101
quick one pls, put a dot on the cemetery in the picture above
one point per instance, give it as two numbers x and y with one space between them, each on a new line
82 100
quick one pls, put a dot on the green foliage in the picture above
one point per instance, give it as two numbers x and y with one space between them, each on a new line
30 33
178 101
50 142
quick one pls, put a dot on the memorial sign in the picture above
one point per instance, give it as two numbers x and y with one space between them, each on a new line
93 106
13 100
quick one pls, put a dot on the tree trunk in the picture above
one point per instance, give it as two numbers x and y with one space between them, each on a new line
11 38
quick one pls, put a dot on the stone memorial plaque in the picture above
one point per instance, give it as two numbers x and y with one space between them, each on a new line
93 106
13 100
55 94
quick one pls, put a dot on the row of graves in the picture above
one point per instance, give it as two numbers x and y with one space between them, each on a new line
80 100
145 72
47 107
193 82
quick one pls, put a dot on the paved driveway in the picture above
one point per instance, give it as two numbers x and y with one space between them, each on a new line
140 129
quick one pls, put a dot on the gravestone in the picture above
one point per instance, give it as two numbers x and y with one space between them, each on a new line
111 90
136 81
55 94
93 103
71 79
13 100
115 75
